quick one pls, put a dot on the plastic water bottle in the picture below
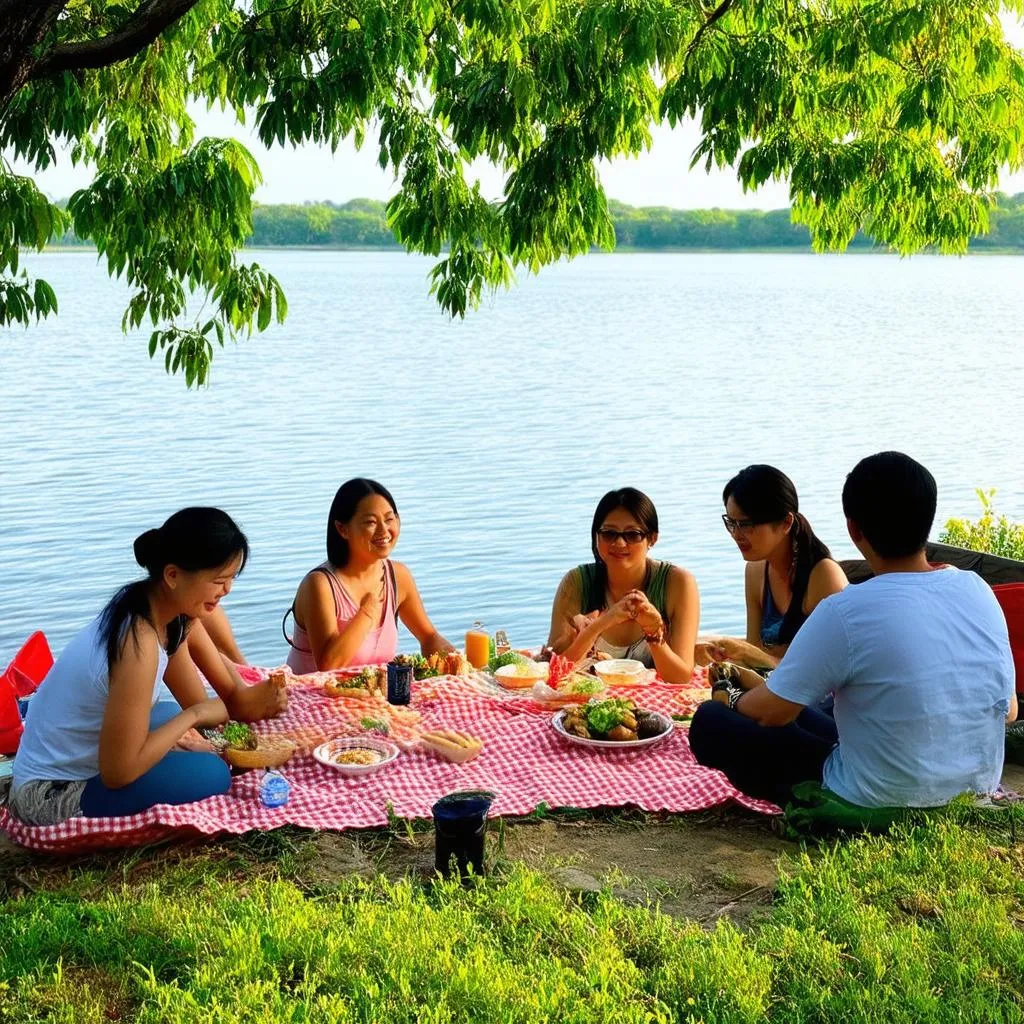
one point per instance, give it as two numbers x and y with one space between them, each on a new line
274 789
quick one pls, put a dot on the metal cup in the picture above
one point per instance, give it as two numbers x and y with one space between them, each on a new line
399 683
460 823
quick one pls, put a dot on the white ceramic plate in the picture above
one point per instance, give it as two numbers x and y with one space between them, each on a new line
324 753
556 724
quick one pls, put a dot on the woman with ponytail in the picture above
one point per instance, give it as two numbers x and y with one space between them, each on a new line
96 743
789 570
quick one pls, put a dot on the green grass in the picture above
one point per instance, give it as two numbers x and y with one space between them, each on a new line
924 925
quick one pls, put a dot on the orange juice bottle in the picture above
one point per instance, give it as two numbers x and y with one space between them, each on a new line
478 646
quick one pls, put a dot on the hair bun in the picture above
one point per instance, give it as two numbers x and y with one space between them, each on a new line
146 548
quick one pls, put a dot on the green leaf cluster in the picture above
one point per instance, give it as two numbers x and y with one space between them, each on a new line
27 220
888 117
996 534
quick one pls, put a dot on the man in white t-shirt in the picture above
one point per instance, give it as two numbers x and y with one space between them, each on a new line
918 658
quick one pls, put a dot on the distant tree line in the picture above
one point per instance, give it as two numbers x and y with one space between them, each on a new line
362 223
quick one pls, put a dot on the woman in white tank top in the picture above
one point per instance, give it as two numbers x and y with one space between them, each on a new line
93 744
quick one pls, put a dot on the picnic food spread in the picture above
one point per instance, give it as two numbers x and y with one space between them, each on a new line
465 731
359 707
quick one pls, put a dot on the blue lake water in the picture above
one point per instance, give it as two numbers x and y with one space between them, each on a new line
498 434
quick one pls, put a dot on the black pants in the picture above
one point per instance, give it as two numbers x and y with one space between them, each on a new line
762 761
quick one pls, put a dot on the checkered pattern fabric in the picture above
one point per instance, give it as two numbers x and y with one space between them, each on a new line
524 761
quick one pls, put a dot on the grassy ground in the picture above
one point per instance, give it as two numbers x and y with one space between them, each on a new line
924 925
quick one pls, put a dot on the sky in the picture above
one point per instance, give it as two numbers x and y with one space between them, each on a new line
659 177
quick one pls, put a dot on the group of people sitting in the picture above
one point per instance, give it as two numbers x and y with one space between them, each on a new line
892 693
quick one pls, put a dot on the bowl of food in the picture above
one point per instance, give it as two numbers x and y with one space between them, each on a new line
613 723
521 675
355 755
622 672
242 747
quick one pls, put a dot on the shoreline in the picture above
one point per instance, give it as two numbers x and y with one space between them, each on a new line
625 250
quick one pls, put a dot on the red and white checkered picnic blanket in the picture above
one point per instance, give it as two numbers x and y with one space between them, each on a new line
524 761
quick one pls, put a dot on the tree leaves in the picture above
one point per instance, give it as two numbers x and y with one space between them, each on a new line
27 220
892 117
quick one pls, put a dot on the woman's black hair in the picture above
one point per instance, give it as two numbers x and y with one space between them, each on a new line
640 507
343 508
192 539
767 495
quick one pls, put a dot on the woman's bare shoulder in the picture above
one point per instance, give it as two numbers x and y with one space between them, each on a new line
827 577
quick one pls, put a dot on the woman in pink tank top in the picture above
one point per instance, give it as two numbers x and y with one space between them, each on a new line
347 609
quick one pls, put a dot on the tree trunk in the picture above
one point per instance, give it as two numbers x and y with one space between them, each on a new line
23 26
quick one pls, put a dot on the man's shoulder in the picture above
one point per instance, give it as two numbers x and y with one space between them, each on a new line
947 579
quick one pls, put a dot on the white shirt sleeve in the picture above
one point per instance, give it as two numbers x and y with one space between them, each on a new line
817 661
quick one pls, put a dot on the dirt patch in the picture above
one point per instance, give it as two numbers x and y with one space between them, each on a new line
1013 778
699 867
82 993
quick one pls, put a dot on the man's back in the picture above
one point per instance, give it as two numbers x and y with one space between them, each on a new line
922 715
923 675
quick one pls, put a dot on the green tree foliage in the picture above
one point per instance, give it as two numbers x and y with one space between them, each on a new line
891 117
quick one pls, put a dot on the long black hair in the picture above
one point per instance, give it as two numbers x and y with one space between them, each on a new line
343 508
767 495
640 507
192 539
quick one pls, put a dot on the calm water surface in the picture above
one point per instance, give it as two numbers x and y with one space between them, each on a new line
498 434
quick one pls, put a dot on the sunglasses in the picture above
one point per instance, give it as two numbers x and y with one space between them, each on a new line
610 536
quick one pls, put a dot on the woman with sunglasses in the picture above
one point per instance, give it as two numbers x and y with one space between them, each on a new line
625 604
789 570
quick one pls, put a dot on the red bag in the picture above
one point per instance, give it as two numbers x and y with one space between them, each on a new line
1011 599
21 678
10 718
30 665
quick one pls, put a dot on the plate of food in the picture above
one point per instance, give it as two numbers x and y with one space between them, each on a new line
566 683
444 663
575 689
355 755
365 682
614 723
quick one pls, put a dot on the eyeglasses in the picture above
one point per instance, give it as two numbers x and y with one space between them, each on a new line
610 536
738 525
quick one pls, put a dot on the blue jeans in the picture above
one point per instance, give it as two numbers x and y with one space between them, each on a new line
180 777
763 761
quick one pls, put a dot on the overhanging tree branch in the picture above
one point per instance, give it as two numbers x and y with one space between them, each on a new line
151 19
719 12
